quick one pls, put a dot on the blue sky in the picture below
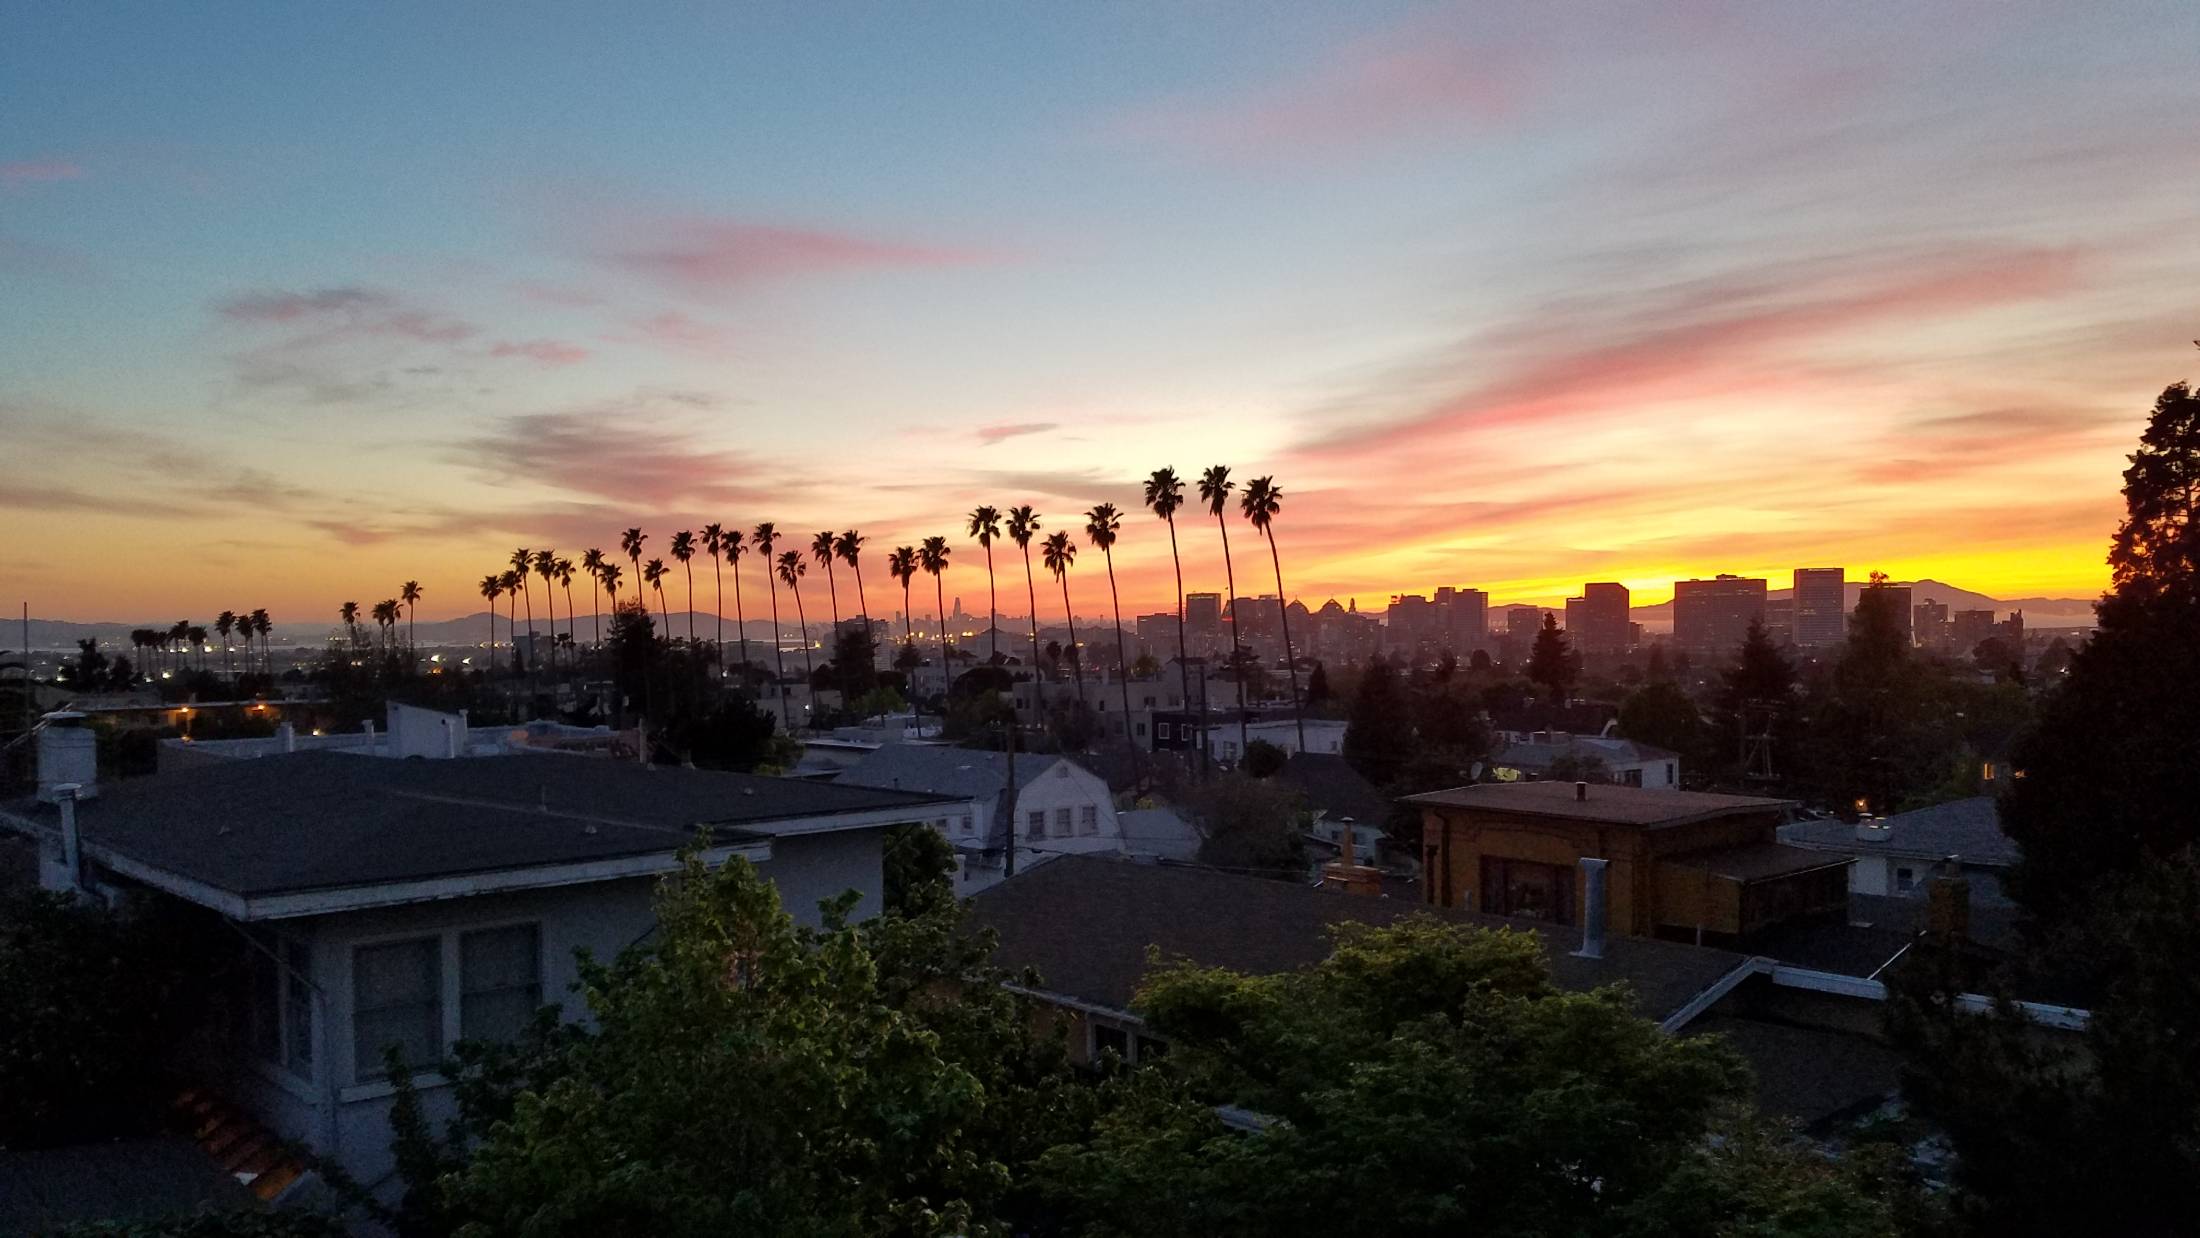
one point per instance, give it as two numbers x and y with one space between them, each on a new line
1503 296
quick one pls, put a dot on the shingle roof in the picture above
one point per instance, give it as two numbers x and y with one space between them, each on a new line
1158 831
965 773
1085 923
1606 803
316 820
1969 828
1331 785
1756 861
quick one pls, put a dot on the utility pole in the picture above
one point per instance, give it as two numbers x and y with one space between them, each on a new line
1008 860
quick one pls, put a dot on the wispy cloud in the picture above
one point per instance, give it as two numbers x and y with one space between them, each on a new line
39 172
552 353
709 256
642 452
677 332
992 434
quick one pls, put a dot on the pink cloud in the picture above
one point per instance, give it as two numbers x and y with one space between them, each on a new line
548 352
1421 75
678 332
990 435
557 294
714 255
40 171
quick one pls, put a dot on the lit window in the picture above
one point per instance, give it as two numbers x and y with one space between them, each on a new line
397 1002
500 982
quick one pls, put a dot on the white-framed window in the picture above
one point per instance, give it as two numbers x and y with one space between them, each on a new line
499 981
966 823
1061 822
397 1001
1229 750
1088 820
1035 823
1161 730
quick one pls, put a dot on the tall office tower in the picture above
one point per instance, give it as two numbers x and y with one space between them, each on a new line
1710 617
1821 606
1929 622
1522 621
1598 620
1469 621
1203 622
1969 627
1409 621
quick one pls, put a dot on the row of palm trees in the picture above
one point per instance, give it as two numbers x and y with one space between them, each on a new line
387 614
173 646
1259 503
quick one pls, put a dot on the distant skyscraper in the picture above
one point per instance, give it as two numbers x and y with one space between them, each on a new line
1469 620
1970 627
1711 616
1522 621
1821 606
1203 621
1929 623
1598 620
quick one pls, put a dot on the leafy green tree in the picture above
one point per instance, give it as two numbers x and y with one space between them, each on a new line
1378 738
1552 664
1263 759
919 865
1660 714
1250 825
231 1223
743 1075
1430 1079
1756 692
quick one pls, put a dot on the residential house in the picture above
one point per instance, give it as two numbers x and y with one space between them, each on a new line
1522 755
1337 799
1686 865
1898 855
1061 807
408 904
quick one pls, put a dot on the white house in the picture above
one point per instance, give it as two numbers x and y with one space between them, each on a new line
1061 807
1897 855
414 903
1531 755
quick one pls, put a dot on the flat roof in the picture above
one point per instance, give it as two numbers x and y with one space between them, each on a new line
1086 923
240 833
1606 803
1757 861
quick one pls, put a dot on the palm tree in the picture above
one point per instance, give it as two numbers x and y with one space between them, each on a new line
198 643
492 588
821 549
1101 526
732 544
410 595
546 564
767 536
1262 500
264 625
932 556
985 525
563 571
385 619
849 546
1165 494
512 579
790 570
611 575
631 542
653 575
225 623
683 549
349 613
1059 553
903 566
714 541
523 562
592 562
1023 525
1214 489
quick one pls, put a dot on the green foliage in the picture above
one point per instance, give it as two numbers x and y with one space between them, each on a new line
1552 664
92 1002
1378 740
1429 1079
1263 759
919 867
1757 690
2157 546
1250 825
1660 714
744 1075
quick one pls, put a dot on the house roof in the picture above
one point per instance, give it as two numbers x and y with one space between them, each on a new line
1085 923
1757 861
1609 749
250 836
1967 828
1160 832
1605 804
1332 786
965 773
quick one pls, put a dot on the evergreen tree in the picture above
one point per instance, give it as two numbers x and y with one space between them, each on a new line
1757 691
1553 665
1378 740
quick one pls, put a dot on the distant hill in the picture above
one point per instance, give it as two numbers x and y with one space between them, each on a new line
50 634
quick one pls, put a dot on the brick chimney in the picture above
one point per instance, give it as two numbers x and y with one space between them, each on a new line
1345 872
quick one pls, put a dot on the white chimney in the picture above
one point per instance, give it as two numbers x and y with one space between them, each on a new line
451 741
1592 908
288 734
68 755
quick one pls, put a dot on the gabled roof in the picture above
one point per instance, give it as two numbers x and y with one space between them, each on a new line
965 773
1333 787
1969 829
274 836
1085 923
1605 803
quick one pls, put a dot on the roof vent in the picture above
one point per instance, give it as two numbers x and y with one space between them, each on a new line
68 756
1581 791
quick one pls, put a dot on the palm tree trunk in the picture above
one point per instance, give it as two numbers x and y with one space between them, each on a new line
718 609
412 643
1183 654
1076 664
1237 662
574 664
689 567
740 623
992 607
492 655
550 607
595 605
832 591
511 632
1031 600
863 608
779 656
528 595
1290 661
1122 668
909 638
809 668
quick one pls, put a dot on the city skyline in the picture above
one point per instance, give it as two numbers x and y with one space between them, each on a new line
1509 301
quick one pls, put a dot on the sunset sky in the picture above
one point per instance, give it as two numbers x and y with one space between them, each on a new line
298 300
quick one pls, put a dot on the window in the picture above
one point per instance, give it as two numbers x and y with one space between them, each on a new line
397 1001
1108 1038
1036 824
1161 730
966 823
1527 889
1905 880
1631 777
1088 820
1669 773
1229 750
1061 823
278 1002
499 981
1142 730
